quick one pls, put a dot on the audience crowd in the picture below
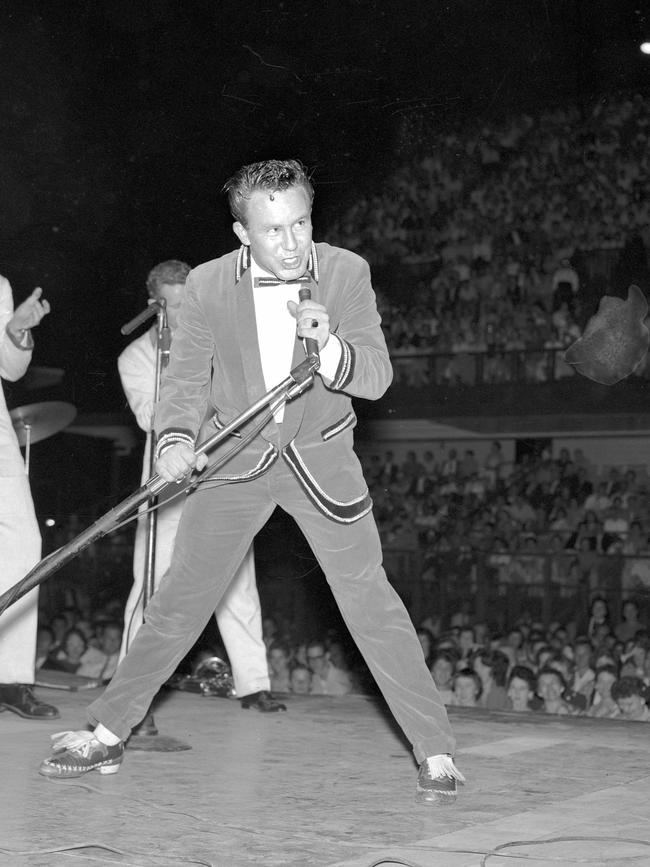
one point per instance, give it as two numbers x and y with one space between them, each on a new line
595 666
506 219
540 522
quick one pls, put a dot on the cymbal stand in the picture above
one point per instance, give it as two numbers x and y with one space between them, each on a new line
28 444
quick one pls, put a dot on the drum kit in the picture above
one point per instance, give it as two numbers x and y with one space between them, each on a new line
38 421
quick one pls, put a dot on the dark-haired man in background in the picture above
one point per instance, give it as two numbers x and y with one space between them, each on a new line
239 334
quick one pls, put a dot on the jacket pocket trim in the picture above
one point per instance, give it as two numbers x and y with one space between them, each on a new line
269 457
338 426
344 512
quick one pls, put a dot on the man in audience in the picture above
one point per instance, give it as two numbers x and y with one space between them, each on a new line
630 694
326 678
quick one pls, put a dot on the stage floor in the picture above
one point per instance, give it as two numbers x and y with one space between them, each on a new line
332 783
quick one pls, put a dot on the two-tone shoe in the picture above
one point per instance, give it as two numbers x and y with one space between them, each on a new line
77 753
438 779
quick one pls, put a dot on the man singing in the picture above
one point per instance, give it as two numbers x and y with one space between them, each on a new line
240 332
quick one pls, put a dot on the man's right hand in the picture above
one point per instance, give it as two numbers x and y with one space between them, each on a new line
177 462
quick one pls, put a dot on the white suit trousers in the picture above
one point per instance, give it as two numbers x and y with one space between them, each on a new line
20 550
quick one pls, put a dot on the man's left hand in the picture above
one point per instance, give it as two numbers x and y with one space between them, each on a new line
312 320
28 314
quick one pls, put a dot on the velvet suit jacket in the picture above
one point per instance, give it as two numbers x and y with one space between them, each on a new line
215 373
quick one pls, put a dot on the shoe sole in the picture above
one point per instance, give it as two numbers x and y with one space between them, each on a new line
107 769
24 715
429 796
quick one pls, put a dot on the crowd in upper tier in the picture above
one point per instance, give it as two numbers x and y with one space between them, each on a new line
503 217
518 515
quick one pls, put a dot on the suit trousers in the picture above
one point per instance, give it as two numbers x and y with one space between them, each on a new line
238 615
216 529
20 550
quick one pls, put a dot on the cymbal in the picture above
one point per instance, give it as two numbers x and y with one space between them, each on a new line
42 377
41 419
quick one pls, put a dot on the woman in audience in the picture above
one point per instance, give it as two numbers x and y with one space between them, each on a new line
467 688
492 668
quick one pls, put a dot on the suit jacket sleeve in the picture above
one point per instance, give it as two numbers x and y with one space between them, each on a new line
137 369
13 360
185 387
364 369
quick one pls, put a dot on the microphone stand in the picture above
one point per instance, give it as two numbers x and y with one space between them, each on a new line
298 380
145 736
163 343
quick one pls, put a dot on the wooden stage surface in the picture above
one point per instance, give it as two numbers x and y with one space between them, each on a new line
330 783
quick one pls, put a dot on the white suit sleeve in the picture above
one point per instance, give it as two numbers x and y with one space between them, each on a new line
137 369
14 360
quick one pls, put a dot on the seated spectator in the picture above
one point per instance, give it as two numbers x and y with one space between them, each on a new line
59 627
466 688
615 524
300 680
442 672
521 689
279 667
427 641
550 688
603 705
629 625
326 678
583 674
635 654
68 658
492 668
101 662
630 694
562 663
44 645
598 617
598 502
466 646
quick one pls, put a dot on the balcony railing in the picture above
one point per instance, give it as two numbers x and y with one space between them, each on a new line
500 587
467 367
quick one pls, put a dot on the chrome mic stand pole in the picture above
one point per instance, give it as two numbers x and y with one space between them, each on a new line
163 343
146 736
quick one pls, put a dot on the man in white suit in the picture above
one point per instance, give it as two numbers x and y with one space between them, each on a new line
20 539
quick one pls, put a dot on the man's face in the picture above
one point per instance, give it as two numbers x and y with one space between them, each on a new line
111 640
173 293
465 691
631 706
442 672
603 684
549 687
519 693
278 660
278 231
316 659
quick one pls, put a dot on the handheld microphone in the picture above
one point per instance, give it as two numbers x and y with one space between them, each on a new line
151 310
311 344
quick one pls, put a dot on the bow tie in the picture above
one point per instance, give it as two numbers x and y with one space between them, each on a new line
275 281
